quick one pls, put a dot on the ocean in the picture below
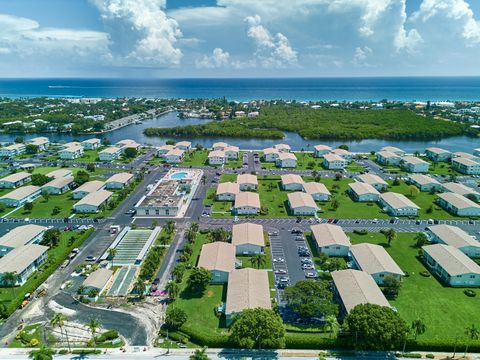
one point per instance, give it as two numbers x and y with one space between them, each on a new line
299 89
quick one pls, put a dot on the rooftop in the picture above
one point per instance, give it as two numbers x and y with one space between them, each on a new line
247 179
217 256
300 199
90 186
371 179
96 198
19 176
20 258
21 192
247 233
291 179
374 259
452 260
122 177
361 188
453 236
247 199
315 188
98 279
458 201
228 188
423 179
329 234
398 201
414 160
21 235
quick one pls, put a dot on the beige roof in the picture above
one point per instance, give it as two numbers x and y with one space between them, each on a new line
413 160
217 256
398 201
340 152
270 151
299 199
423 179
333 157
247 179
59 173
247 289
357 287
72 148
392 149
315 188
184 143
247 198
127 143
371 179
110 150
247 233
232 148
38 140
465 161
166 147
287 156
329 234
458 201
14 146
96 198
90 186
91 141
465 155
291 179
216 153
59 182
361 188
20 258
21 235
122 177
453 236
175 152
387 154
71 143
374 259
98 279
228 188
21 192
19 176
459 188
321 147
219 145
437 150
282 146
452 260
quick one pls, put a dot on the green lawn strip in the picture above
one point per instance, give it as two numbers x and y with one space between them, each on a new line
196 158
13 297
446 311
235 164
44 209
306 161
26 335
96 174
228 177
354 167
272 197
440 168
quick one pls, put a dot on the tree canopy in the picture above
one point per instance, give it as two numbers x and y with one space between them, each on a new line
199 279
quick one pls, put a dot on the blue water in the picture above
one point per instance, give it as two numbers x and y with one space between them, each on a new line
348 89
179 175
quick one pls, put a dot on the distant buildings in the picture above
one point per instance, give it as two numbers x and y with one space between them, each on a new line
15 180
11 151
438 154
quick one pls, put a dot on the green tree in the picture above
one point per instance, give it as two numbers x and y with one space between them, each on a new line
40 179
391 286
173 289
18 140
111 254
332 325
218 234
51 237
59 320
28 207
93 325
81 177
375 327
139 288
310 298
420 240
170 226
43 353
199 354
199 279
10 279
472 333
344 147
335 204
258 328
178 272
418 327
258 260
91 168
130 153
175 318
31 149
391 235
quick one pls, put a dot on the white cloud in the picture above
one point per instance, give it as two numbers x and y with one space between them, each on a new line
219 58
141 32
361 56
272 51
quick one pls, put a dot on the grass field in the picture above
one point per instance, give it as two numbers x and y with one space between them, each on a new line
45 209
196 158
445 311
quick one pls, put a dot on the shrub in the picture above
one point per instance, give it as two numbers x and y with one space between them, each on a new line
425 273
34 342
107 335
470 293
86 352
63 352
409 355
430 356
360 232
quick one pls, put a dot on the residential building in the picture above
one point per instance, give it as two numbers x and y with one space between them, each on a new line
451 265
388 158
97 281
247 203
57 186
374 260
414 164
21 236
93 202
317 191
321 150
15 180
219 146
376 181
247 182
216 157
60 173
363 192
12 150
87 188
460 189
23 261
227 191
476 152
301 203
184 145
286 160
438 154
334 162
91 144
292 182
331 239
70 144
119 181
345 154
174 156
248 239
398 204
20 196
466 166
424 182
162 150
394 150
270 154
41 142
461 154
110 154
231 152
456 237
219 258
127 143
71 152
458 205
282 148
247 289
354 287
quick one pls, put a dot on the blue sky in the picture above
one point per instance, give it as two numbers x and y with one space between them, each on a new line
238 38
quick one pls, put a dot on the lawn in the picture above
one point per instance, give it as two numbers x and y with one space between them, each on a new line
441 168
445 311
96 174
306 161
235 164
43 208
196 158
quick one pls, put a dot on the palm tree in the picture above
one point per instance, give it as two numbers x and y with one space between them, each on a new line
418 327
111 253
59 320
43 353
10 279
81 289
170 226
420 240
190 235
258 260
173 289
391 235
93 325
194 227
331 323
218 234
139 287
473 334
199 355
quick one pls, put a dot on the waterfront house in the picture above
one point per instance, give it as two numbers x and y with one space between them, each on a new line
162 150
394 150
231 152
331 240
438 154
91 144
414 164
334 162
219 146
270 154
388 158
345 154
216 157
110 154
321 150
127 143
41 142
219 258
282 148
184 145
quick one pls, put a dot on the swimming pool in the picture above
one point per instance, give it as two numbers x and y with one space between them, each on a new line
179 175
